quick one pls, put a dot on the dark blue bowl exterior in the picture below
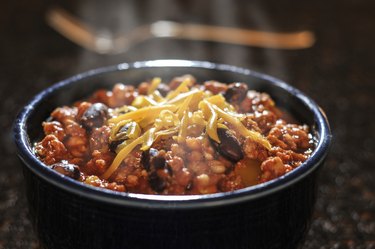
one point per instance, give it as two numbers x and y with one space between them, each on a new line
63 220
69 214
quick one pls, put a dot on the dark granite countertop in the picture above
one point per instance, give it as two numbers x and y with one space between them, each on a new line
338 72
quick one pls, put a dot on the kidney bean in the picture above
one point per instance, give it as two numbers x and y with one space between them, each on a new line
236 92
94 116
67 169
229 146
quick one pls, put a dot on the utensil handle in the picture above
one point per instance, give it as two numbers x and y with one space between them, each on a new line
292 40
71 28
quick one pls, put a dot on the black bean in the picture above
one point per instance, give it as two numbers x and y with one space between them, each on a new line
152 160
94 116
236 92
145 159
158 162
122 135
156 182
163 89
113 145
67 169
124 128
229 146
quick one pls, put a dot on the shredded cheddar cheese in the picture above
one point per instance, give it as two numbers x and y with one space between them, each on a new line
154 116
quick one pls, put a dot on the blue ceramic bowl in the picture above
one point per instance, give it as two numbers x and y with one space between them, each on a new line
70 214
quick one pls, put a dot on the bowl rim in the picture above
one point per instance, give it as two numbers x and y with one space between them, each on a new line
25 151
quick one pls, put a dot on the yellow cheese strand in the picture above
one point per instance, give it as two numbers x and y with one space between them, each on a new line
166 133
178 103
182 96
211 115
121 156
154 85
143 101
183 87
183 127
217 100
117 127
257 137
184 106
140 114
157 97
166 119
133 132
149 138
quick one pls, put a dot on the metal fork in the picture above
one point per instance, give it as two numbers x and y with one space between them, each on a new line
107 43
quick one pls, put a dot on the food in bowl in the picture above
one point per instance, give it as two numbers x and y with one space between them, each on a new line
180 138
70 214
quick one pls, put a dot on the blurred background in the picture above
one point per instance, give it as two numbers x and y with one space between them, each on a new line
333 62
